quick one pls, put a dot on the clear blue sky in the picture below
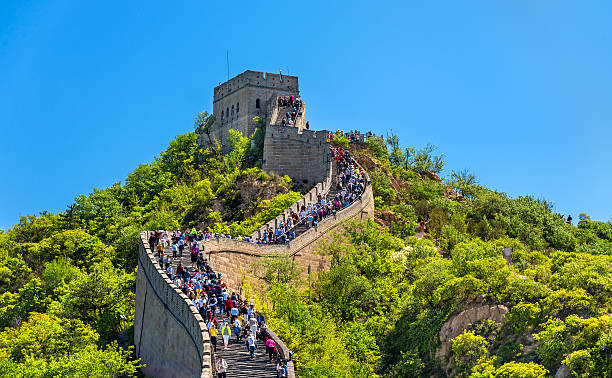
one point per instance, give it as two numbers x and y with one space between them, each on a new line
518 92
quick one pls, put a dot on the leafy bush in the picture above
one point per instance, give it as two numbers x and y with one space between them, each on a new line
467 349
378 147
340 141
522 370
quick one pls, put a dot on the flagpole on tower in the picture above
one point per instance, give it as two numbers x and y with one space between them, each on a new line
227 58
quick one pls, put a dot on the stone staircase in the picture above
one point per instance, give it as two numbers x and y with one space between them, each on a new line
236 355
331 194
282 111
238 362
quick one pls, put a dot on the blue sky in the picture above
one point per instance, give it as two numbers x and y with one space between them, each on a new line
518 92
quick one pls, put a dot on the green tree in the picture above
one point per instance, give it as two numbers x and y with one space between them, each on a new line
378 147
203 125
100 297
521 370
464 182
276 269
234 160
46 336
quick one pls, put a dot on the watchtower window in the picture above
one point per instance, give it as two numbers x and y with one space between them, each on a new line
227 111
222 115
232 110
257 103
237 107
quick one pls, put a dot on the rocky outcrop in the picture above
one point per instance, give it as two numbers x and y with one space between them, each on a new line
463 321
563 371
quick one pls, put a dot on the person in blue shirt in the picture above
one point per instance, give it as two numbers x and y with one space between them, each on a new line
252 346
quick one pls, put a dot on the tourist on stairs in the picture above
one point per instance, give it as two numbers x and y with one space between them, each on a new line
252 346
226 331
221 368
213 337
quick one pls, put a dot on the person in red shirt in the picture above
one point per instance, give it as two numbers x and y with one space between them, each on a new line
228 306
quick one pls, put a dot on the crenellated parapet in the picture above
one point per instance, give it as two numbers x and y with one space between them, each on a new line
251 94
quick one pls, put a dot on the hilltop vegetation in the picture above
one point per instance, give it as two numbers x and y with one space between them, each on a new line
68 279
380 308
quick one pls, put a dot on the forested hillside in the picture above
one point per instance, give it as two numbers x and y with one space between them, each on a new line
380 308
68 279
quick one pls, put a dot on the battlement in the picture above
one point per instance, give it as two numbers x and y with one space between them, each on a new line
257 79
242 98
303 135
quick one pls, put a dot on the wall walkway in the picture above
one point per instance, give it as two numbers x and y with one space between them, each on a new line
170 335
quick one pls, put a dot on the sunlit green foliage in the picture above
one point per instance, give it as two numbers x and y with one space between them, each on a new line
467 349
393 292
48 346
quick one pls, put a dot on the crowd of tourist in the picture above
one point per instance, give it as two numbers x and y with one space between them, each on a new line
353 136
350 184
295 106
226 314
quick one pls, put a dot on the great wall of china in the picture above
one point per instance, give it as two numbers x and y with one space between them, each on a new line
171 337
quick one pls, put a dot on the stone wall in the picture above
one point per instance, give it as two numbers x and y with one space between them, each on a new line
303 155
171 337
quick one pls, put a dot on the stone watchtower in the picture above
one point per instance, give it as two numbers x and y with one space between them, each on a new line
289 150
237 101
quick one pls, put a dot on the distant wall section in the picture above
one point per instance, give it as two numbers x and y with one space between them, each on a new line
236 257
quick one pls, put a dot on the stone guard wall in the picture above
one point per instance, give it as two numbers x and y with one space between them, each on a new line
171 337
310 197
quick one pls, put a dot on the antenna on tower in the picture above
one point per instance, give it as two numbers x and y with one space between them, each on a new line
227 57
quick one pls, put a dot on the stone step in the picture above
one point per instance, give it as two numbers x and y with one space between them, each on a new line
236 355
239 364
282 111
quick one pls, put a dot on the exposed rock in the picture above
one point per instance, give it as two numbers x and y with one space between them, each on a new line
531 347
455 326
563 371
432 176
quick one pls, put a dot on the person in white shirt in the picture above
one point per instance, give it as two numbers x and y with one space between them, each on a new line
221 368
